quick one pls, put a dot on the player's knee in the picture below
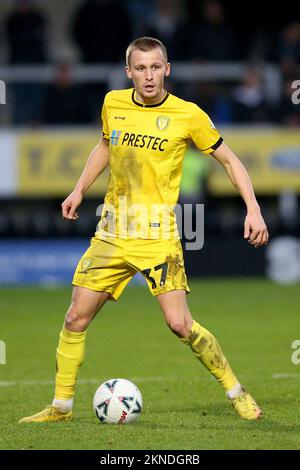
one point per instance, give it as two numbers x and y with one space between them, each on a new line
75 322
178 327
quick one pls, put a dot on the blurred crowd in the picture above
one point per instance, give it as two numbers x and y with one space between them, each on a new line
209 31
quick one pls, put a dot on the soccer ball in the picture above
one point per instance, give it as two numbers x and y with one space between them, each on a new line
117 401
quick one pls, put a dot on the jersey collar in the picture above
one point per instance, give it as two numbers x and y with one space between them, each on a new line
148 105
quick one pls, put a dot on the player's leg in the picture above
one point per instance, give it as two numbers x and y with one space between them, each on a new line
203 344
207 350
100 274
70 353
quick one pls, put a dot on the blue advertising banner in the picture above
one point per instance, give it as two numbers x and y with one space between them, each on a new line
39 261
43 262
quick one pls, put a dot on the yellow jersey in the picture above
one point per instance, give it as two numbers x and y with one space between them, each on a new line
147 143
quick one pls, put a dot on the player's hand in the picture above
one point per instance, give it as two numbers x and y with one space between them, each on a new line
70 205
255 229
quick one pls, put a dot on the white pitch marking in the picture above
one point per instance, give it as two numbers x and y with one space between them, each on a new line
286 376
14 383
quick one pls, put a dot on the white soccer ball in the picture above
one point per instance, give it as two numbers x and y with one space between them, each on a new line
117 401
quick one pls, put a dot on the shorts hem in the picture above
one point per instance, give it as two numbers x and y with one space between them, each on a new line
170 289
92 287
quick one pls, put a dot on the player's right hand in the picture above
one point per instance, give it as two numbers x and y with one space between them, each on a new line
70 205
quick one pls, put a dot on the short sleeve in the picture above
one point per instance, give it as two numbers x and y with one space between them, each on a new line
203 132
105 129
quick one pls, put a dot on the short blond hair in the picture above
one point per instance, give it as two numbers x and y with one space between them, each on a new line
145 44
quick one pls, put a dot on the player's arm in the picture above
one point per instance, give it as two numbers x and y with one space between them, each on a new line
255 228
95 165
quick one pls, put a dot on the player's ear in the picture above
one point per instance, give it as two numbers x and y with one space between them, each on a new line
168 69
128 72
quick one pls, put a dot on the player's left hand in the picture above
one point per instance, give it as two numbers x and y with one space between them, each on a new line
255 229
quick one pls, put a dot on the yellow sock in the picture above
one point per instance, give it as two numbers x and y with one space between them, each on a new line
69 357
206 348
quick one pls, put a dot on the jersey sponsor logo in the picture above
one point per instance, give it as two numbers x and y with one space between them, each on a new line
144 141
162 122
120 117
138 140
115 137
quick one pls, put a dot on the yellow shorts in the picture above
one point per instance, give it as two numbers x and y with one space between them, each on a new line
110 263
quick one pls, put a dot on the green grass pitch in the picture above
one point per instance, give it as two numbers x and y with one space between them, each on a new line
255 322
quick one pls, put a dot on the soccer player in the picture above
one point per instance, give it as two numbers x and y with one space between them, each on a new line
144 136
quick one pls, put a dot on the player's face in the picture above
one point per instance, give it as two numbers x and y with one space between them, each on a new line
148 70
